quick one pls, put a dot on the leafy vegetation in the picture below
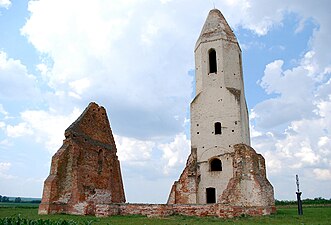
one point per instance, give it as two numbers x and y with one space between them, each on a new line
19 199
315 201
23 221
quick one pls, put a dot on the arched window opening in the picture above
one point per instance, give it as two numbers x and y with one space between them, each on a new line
218 128
212 61
215 165
211 195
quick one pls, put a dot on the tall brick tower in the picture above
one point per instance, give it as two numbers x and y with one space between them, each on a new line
222 167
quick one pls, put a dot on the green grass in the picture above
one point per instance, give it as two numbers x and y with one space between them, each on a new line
312 216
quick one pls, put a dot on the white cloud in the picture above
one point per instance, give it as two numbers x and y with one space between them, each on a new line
322 174
295 88
79 86
175 153
254 133
4 167
298 116
15 81
299 111
19 130
5 144
126 51
133 150
3 111
140 154
5 3
47 127
120 55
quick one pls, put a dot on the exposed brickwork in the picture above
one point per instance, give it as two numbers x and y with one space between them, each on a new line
249 185
160 210
85 171
184 190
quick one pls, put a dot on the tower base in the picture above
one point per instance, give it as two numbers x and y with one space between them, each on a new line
248 187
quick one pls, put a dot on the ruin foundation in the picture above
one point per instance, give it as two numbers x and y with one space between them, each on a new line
161 210
248 186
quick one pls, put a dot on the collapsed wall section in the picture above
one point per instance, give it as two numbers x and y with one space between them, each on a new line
85 171
184 191
249 185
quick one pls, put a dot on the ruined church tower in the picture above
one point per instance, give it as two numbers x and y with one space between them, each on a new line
222 167
219 117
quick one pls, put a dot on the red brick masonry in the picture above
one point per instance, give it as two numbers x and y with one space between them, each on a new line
85 171
160 210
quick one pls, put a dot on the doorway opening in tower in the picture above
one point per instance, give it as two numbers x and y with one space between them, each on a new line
212 61
211 195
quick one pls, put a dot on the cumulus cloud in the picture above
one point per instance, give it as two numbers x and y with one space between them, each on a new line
120 55
47 127
3 111
141 154
322 174
133 150
295 88
16 82
5 3
175 153
19 130
4 167
5 144
297 115
298 118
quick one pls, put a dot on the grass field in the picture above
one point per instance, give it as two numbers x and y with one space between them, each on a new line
312 216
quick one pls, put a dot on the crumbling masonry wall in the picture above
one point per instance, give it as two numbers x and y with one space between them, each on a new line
160 210
85 171
248 187
184 191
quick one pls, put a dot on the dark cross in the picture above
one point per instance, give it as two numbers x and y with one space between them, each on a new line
300 211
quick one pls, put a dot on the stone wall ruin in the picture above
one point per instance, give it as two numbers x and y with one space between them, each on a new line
85 171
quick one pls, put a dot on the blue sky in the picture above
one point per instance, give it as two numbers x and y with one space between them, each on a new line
135 58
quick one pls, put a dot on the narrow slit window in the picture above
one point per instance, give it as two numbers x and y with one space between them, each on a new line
212 61
218 128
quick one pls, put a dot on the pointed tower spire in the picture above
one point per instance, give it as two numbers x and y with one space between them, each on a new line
215 28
